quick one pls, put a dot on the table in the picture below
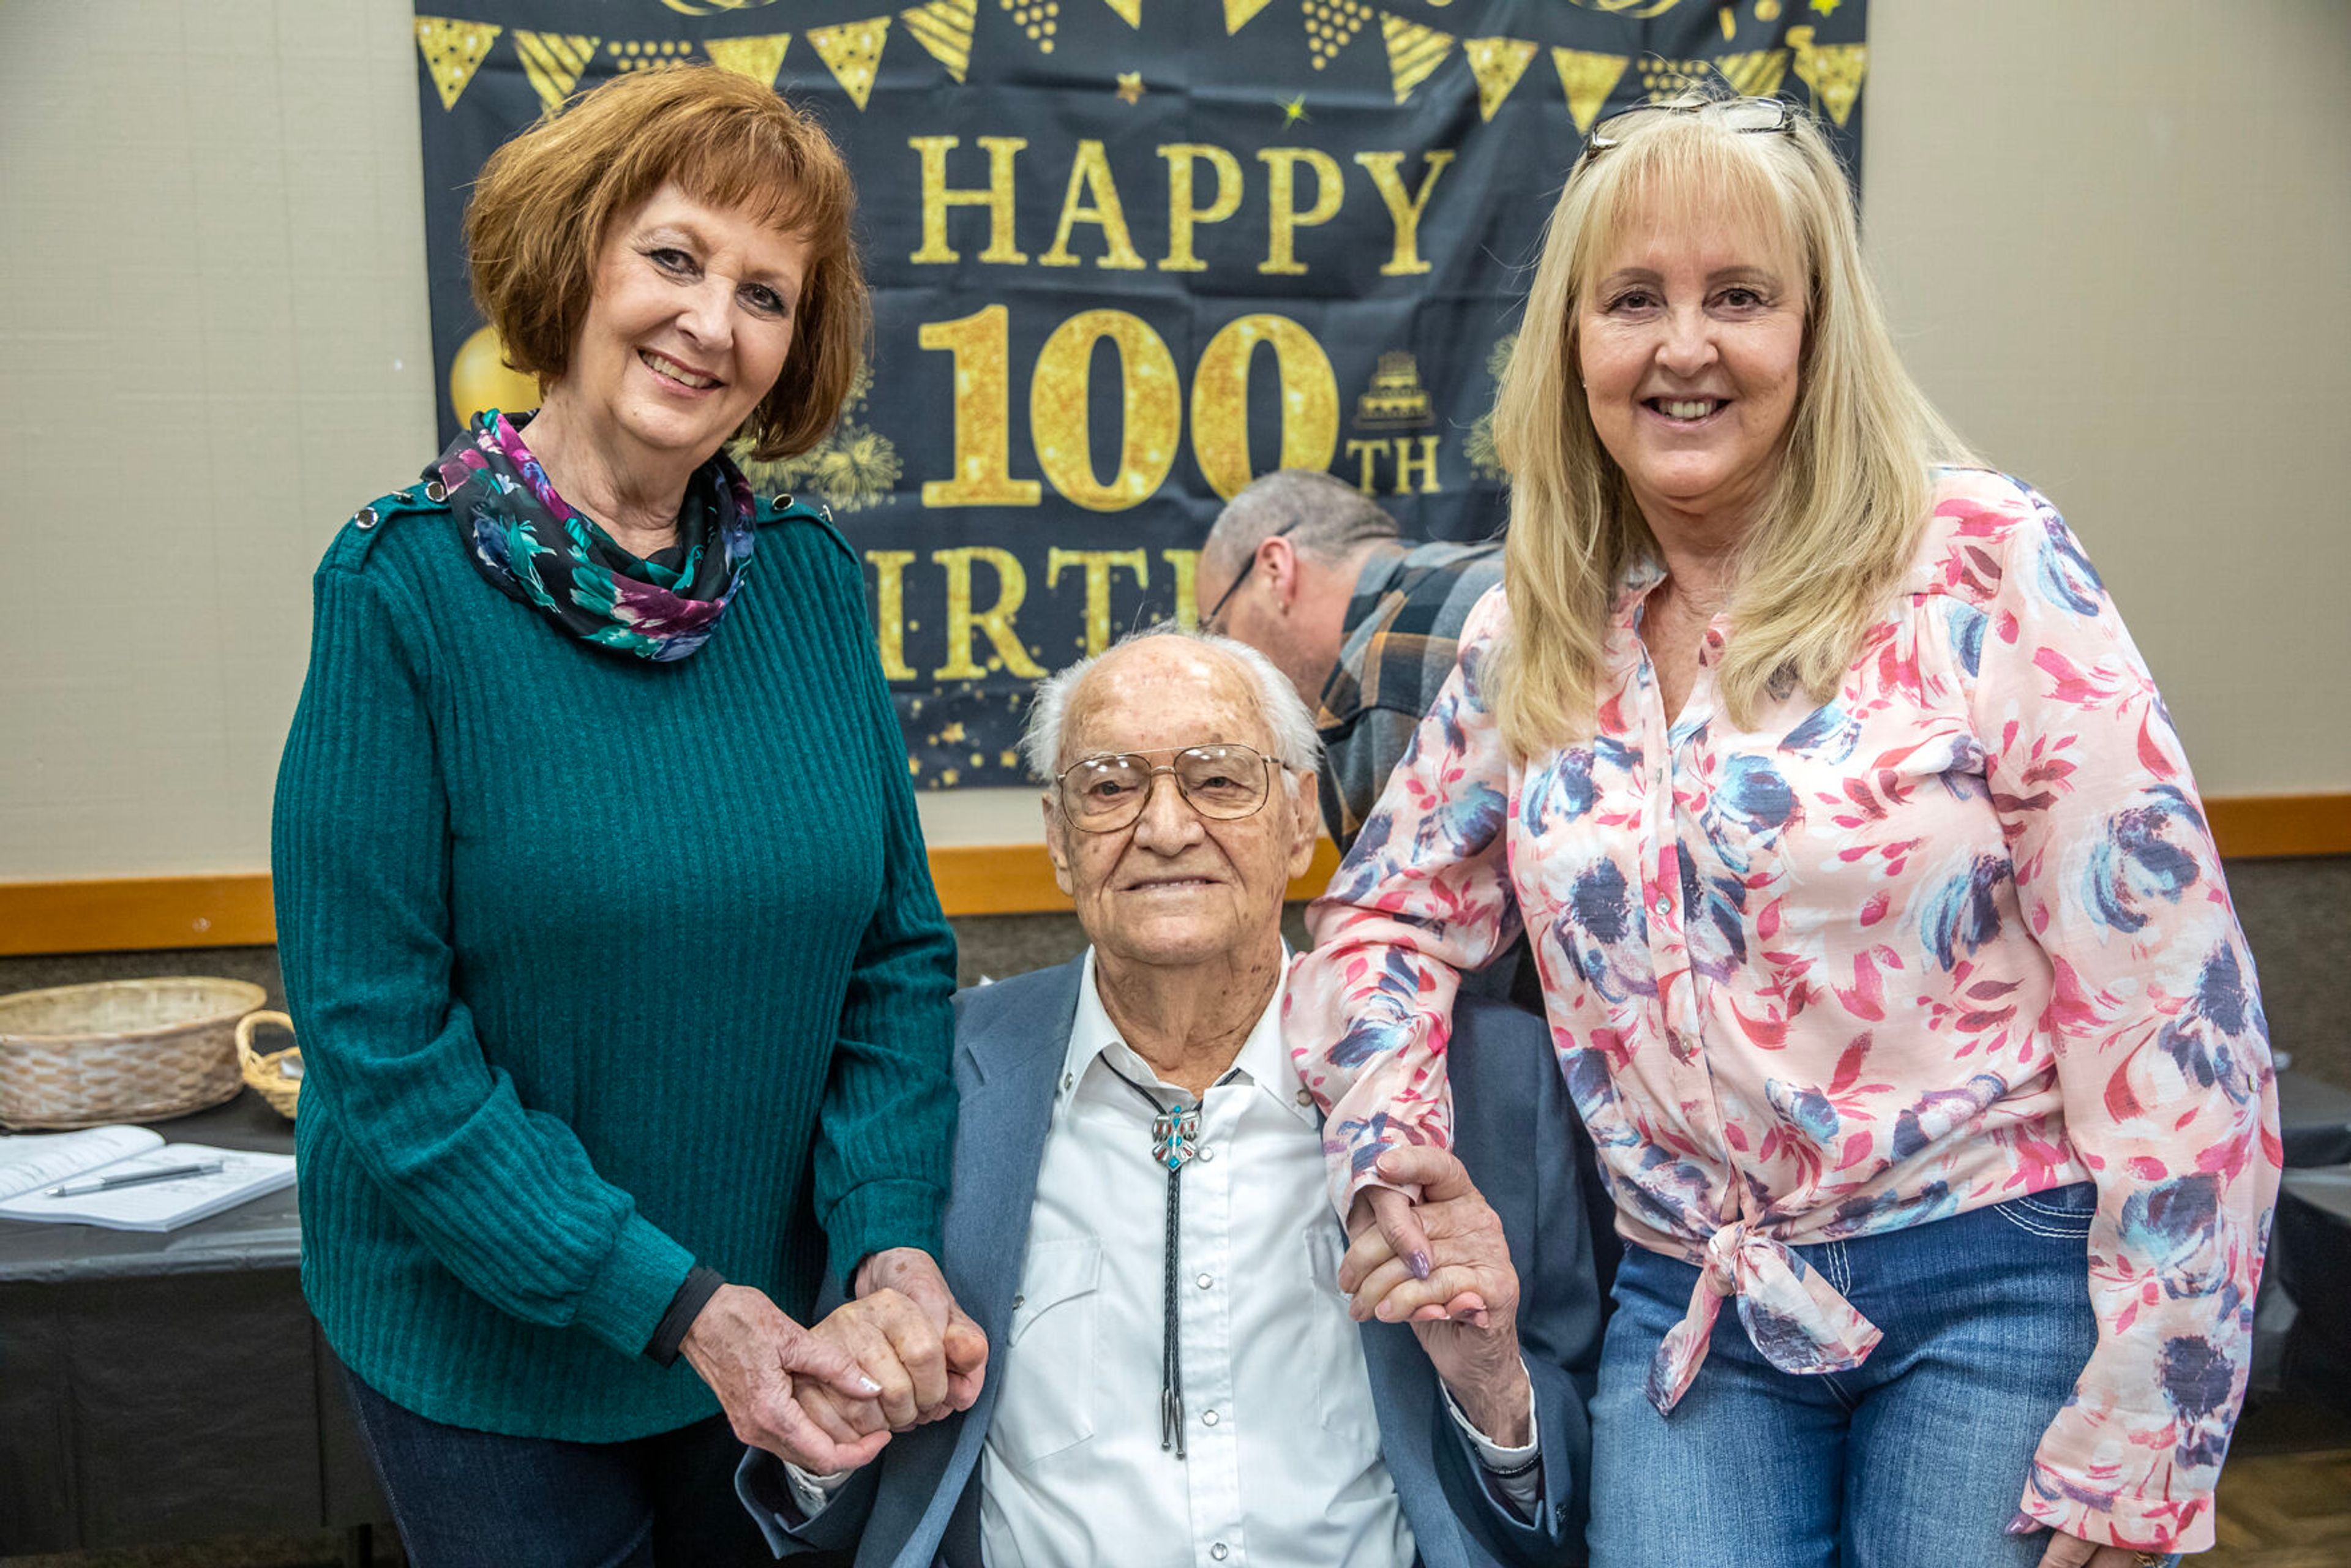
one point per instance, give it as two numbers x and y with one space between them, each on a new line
2314 1121
2310 1246
165 1388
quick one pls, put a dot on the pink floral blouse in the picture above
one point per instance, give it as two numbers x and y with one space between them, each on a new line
1956 936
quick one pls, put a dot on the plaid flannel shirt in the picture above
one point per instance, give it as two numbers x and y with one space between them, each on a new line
1404 624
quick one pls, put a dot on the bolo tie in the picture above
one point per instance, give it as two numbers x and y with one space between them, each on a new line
1175 1138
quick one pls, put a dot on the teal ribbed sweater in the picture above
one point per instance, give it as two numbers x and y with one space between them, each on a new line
600 967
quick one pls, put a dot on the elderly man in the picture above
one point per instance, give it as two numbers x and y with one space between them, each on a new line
1190 1364
1309 570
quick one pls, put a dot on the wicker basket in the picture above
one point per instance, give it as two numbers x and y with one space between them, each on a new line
119 1051
278 1077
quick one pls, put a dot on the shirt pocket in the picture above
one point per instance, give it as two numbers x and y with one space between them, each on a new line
1047 1403
1331 1348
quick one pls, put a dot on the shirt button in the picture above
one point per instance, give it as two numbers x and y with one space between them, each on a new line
1306 1097
1207 1281
1209 1417
1664 906
1208 1153
1219 1551
1016 1301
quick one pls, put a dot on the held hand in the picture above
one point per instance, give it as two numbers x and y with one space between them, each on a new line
748 1351
1391 1212
2073 1552
897 1345
1465 1311
914 1274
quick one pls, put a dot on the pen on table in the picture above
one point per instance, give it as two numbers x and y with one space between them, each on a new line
134 1178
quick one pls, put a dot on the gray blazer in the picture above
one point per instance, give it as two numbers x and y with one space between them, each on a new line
917 1505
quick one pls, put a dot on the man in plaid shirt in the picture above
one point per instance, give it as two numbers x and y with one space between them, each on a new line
1307 571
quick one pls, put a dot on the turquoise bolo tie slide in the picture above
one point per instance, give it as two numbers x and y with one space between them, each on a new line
1175 1137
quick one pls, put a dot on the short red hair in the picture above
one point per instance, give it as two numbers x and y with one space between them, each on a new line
546 200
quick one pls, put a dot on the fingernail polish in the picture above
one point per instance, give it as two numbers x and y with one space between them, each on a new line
2024 1524
1418 1263
867 1386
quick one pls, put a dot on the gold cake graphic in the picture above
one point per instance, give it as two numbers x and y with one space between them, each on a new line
1395 401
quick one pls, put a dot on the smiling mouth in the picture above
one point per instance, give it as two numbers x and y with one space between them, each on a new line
1686 410
670 369
1158 884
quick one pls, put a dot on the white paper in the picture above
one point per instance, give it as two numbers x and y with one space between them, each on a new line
163 1205
39 1160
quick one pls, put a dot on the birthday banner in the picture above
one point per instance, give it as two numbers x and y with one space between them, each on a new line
1125 255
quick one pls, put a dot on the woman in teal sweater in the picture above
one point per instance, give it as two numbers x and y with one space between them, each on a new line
601 897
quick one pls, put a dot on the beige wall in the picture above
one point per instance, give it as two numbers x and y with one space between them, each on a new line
2114 238
213 347
2117 242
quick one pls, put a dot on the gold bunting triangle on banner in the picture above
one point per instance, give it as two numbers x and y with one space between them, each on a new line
1834 72
1498 64
758 57
553 62
1587 79
1239 13
1758 75
852 53
1414 52
454 51
1129 11
943 28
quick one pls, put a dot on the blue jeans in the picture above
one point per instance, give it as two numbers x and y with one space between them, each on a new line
463 1499
1918 1455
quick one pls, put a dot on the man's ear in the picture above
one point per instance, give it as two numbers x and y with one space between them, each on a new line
1277 562
1055 849
1305 821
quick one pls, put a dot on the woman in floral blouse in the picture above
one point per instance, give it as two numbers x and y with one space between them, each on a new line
1885 950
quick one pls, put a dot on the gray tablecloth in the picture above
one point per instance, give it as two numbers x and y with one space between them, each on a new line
157 1388
2315 1120
2310 1249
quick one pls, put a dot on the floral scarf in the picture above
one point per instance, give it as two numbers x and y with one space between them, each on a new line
515 529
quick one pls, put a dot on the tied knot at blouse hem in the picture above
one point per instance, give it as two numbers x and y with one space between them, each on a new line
1796 1319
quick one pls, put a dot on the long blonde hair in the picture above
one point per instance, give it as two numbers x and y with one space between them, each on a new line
1837 532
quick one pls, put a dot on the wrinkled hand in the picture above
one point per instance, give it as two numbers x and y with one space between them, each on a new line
914 1274
893 1343
749 1353
2073 1552
1463 1306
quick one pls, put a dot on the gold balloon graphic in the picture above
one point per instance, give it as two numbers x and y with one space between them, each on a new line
480 378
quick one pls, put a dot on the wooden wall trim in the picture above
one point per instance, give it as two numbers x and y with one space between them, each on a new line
142 912
134 914
2271 827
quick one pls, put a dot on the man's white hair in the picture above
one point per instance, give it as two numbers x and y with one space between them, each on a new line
1295 744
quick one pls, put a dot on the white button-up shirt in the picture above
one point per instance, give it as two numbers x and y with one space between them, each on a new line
1282 1463
1282 1445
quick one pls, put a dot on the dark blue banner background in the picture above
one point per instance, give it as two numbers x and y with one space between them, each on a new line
1127 254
